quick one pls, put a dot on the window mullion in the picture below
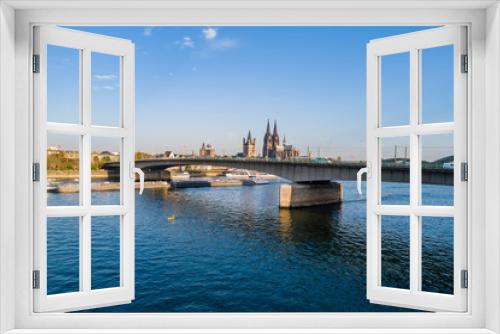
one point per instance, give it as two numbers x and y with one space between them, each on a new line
86 177
415 235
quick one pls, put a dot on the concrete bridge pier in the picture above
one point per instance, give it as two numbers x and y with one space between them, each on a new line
296 195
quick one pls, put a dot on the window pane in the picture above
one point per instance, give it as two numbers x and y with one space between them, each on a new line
437 84
105 252
395 89
63 255
105 180
437 169
63 170
106 90
437 254
395 252
63 84
395 164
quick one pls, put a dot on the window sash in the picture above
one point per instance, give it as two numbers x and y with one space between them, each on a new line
413 43
86 297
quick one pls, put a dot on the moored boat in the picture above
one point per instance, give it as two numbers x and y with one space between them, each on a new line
238 174
180 176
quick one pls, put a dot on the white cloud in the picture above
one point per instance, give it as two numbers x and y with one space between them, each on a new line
101 88
209 33
105 77
224 43
186 42
148 31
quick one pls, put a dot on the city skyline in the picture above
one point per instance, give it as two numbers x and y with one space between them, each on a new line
213 84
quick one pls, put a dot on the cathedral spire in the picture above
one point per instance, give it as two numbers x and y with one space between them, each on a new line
268 142
276 137
249 137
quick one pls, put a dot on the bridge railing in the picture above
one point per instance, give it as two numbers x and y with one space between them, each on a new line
312 161
291 161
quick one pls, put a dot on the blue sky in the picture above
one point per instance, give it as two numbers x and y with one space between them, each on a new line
213 84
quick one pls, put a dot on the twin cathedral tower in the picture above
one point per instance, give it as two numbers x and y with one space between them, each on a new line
271 148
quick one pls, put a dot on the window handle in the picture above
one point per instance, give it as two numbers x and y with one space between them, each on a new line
141 179
135 170
359 175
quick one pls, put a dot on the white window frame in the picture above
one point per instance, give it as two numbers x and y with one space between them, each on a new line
85 44
413 44
483 18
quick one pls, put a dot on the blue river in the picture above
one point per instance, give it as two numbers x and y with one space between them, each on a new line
234 250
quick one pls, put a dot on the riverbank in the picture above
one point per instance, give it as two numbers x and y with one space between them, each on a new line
215 183
74 174
74 187
68 188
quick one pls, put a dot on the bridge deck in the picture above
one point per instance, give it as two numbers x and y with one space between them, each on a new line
297 170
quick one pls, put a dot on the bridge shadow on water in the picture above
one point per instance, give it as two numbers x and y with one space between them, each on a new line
328 229
310 223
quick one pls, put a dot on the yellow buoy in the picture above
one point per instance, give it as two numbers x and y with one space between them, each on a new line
171 218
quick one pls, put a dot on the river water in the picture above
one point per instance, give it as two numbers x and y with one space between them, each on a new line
234 250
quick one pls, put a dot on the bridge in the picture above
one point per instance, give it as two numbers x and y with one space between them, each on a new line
313 182
298 171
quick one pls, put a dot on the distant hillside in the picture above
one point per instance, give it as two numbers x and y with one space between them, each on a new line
443 160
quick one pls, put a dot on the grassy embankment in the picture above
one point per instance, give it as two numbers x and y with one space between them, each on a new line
64 165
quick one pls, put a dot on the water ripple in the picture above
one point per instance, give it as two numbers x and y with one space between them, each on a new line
234 250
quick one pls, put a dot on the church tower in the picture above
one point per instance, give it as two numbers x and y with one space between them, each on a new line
267 146
249 147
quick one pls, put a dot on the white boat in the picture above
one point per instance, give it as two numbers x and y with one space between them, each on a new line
254 182
238 174
180 176
265 176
